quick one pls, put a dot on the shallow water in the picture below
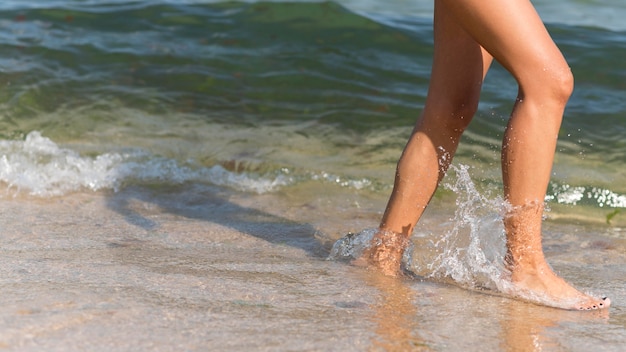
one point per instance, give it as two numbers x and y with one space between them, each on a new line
173 175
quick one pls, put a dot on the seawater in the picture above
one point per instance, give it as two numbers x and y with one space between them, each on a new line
292 92
309 102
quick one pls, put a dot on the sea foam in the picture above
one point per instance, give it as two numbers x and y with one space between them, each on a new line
38 166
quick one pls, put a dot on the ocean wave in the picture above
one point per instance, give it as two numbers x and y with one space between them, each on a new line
37 166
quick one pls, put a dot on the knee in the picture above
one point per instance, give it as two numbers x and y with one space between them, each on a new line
450 115
449 120
460 114
562 84
552 87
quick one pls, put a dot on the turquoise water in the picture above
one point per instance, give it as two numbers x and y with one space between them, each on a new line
310 102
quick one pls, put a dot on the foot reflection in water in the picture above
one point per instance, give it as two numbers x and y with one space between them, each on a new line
527 327
500 323
395 315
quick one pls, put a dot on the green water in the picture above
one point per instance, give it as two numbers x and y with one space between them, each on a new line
313 90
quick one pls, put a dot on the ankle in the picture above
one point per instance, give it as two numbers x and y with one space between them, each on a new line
390 239
524 253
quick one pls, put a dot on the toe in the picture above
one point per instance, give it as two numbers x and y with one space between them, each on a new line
604 303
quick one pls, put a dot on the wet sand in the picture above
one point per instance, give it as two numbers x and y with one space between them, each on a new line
204 269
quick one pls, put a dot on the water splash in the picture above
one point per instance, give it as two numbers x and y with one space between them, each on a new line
471 251
352 245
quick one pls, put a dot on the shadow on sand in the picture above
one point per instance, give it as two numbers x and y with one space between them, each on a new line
219 206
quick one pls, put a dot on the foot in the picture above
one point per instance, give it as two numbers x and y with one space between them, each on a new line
531 278
384 253
539 284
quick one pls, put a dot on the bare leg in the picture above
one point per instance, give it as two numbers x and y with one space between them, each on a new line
513 33
459 67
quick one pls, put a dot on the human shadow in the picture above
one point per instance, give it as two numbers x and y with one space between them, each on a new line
216 205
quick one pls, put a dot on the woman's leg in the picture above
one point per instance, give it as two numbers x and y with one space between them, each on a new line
459 67
513 33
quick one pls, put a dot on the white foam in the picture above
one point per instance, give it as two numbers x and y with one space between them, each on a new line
567 194
244 182
39 167
343 181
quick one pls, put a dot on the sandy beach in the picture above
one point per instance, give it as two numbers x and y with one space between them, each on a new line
196 271
94 272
